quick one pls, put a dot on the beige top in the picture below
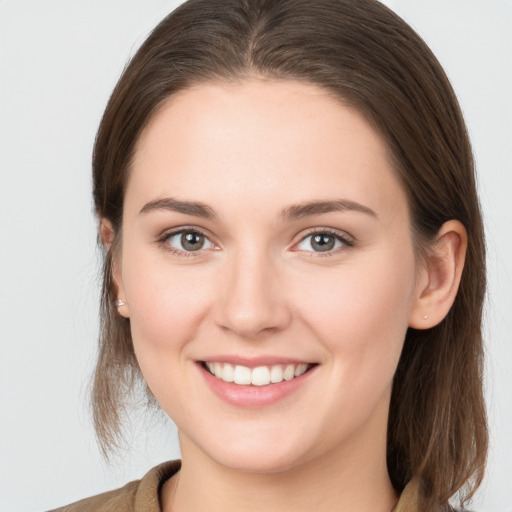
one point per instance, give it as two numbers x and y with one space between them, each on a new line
143 495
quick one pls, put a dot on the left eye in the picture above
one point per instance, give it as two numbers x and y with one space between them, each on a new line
189 241
321 242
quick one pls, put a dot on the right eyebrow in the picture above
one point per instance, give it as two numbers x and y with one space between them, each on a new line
186 207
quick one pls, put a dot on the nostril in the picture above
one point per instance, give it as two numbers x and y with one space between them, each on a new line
253 320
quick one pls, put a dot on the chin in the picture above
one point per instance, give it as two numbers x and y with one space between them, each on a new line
259 463
257 454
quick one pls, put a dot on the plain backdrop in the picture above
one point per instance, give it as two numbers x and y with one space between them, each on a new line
59 60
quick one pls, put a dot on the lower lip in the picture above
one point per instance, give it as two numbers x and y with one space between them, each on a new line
254 396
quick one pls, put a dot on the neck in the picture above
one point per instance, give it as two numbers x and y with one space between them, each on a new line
349 480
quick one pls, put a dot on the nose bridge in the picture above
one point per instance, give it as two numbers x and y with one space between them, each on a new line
252 300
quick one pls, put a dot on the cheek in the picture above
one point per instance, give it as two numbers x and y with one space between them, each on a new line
167 305
361 313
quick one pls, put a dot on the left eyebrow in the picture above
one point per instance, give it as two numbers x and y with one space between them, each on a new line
308 209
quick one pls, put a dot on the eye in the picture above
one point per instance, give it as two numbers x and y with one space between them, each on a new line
323 242
188 241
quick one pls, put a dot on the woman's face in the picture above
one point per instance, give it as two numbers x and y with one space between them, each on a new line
265 235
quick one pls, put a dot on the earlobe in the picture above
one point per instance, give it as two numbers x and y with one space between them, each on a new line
107 235
441 274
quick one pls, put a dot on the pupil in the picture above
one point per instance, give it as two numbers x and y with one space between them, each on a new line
323 243
192 241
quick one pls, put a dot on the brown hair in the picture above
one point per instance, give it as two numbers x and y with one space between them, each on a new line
365 55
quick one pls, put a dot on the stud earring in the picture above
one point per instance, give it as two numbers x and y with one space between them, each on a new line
425 317
120 303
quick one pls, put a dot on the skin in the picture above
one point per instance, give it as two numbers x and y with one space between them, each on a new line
250 152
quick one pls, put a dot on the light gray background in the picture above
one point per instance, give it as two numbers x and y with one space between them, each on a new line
59 60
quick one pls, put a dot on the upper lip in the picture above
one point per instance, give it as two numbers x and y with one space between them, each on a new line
254 362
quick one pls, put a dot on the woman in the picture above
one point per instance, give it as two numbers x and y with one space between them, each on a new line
294 262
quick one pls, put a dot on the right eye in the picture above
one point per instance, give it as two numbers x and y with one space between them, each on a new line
186 241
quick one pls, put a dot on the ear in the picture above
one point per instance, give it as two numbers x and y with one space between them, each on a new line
440 276
108 236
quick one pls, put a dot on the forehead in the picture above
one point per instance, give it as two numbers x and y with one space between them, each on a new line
260 137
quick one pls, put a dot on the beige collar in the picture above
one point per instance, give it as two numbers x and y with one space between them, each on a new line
408 501
147 495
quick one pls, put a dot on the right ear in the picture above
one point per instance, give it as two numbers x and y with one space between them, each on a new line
107 235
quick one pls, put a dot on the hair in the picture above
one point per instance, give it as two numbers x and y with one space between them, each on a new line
371 60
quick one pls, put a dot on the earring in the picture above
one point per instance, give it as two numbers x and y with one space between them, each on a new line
120 303
425 317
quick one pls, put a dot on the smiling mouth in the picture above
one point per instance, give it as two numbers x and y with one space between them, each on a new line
259 376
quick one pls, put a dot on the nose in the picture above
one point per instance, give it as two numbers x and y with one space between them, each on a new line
253 299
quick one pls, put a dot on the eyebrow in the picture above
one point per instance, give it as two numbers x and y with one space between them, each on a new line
196 209
308 209
294 212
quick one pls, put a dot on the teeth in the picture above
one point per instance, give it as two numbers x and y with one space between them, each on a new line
301 368
289 372
242 375
228 373
217 370
259 376
276 374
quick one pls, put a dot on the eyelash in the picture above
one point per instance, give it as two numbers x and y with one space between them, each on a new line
346 241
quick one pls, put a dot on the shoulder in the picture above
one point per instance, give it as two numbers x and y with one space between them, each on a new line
139 495
119 499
